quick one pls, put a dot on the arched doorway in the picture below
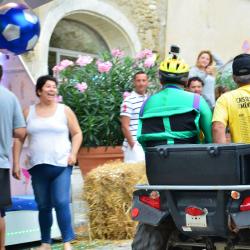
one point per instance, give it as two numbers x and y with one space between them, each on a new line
72 37
110 23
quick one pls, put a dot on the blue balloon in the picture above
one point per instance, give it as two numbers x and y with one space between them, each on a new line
19 28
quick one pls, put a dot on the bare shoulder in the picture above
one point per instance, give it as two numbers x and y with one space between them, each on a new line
68 112
67 109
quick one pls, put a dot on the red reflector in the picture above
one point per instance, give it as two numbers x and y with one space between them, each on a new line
155 203
194 211
245 205
135 212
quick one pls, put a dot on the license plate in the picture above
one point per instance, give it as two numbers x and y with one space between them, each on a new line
196 221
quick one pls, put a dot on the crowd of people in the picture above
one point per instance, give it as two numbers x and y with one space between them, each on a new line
181 112
189 108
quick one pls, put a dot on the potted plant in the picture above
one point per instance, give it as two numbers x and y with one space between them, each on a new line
94 89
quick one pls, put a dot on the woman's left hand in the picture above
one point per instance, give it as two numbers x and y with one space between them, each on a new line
71 159
16 172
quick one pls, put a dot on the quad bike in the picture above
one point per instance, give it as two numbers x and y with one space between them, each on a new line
198 197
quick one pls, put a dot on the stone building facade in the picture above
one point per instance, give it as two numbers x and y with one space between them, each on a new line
149 18
220 26
128 25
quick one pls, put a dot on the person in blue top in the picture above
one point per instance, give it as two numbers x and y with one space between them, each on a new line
174 116
12 124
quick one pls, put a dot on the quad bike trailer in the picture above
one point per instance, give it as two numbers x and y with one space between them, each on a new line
198 197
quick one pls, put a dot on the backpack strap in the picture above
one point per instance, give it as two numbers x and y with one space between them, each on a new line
196 102
143 106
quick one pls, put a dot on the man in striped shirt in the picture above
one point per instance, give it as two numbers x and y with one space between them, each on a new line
130 110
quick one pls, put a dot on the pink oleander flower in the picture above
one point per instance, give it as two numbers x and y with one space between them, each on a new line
57 68
81 86
59 98
117 53
126 94
65 63
104 67
84 60
149 62
144 53
62 65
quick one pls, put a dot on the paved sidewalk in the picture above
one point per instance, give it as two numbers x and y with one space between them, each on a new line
94 245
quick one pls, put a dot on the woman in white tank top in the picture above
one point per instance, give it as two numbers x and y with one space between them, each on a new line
51 156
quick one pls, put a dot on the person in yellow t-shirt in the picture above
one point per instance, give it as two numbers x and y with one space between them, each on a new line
232 109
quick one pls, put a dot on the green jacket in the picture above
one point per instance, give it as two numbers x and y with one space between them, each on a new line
174 116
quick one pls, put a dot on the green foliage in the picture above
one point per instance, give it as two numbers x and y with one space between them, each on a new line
224 77
98 107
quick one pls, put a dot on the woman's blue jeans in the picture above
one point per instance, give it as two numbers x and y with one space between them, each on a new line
51 186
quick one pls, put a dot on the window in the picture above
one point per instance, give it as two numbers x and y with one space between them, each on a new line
72 38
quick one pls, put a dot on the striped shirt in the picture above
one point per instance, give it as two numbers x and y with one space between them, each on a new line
131 107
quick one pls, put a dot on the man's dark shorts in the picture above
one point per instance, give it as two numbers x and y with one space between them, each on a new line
2 213
5 197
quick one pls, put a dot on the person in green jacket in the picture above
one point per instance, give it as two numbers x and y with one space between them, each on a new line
174 116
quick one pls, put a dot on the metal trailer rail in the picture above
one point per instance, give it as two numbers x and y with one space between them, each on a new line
188 187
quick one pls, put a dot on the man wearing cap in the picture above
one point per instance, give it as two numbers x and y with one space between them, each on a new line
232 109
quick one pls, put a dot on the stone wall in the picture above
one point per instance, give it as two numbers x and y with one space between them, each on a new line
220 26
149 18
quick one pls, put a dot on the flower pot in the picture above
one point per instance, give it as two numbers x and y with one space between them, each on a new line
90 158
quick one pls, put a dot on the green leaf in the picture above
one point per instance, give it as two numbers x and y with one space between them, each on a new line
98 108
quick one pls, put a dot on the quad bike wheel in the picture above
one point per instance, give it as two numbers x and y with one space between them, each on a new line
162 237
243 239
152 237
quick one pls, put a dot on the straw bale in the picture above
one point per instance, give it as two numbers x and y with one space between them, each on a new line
108 191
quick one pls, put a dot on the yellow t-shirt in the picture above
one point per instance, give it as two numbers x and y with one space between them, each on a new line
233 110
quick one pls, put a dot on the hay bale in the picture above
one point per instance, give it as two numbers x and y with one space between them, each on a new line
108 191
